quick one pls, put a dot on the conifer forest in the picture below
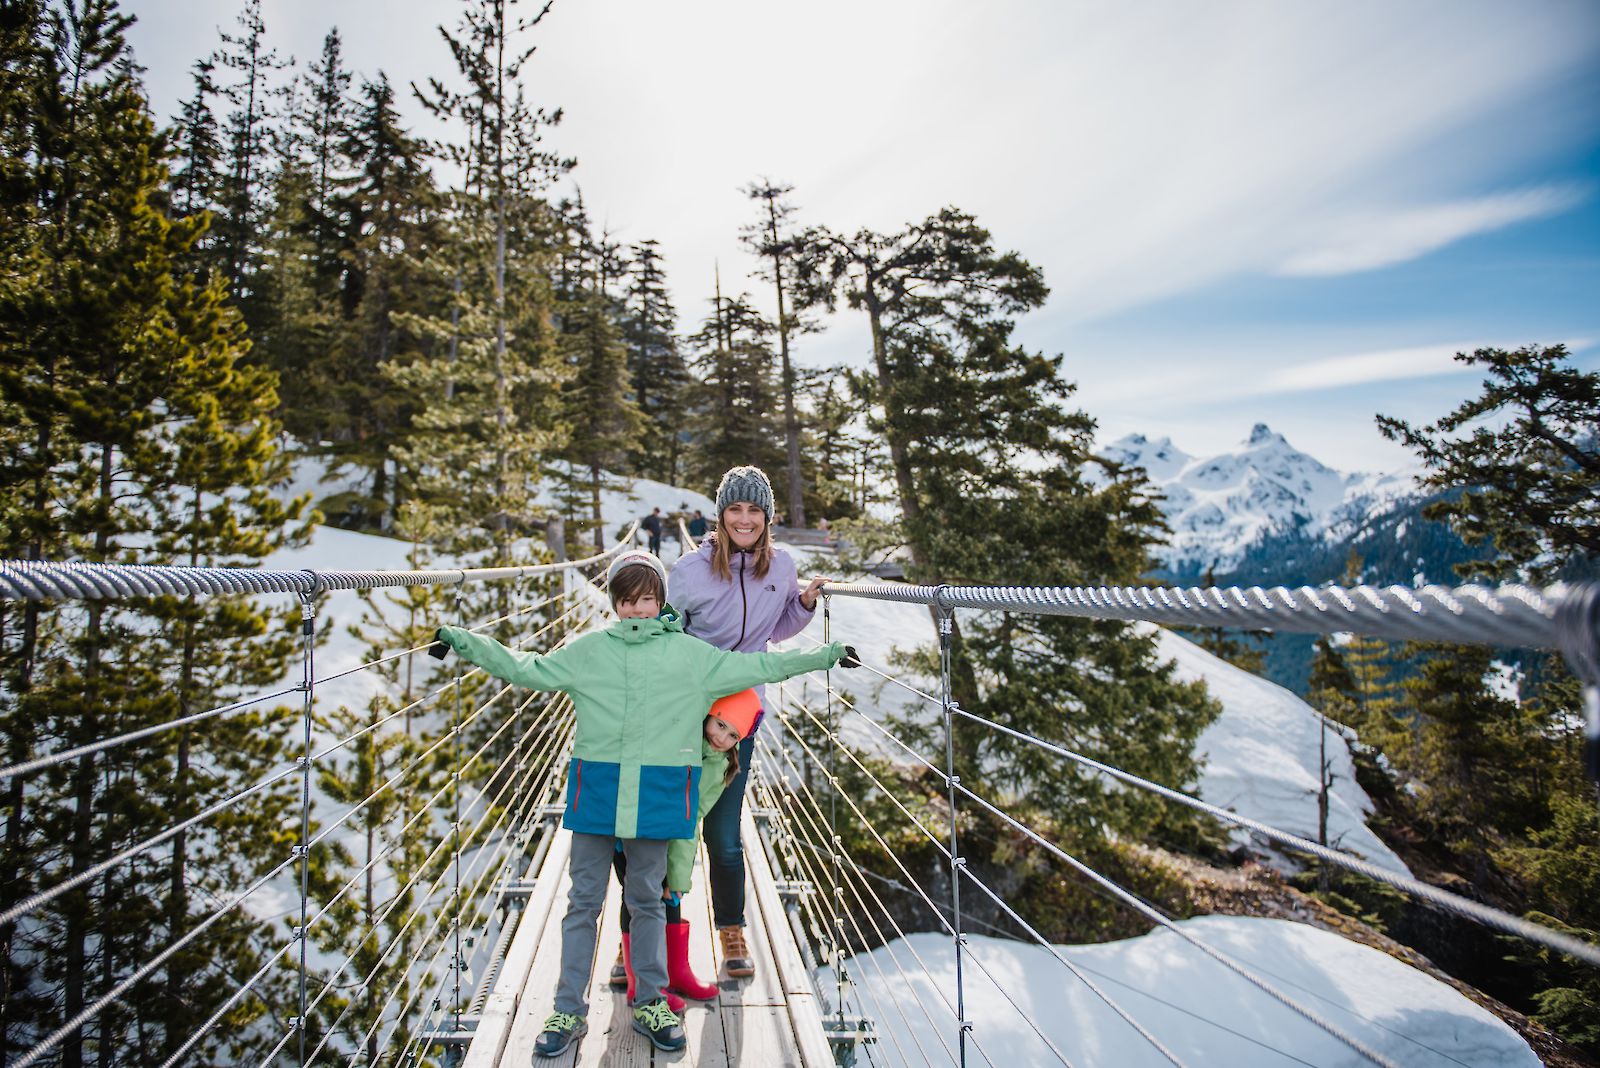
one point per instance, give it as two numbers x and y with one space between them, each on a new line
282 273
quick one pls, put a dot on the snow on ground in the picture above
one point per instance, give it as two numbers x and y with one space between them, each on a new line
1203 1012
1263 754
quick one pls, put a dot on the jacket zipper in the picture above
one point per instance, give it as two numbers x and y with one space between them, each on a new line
688 787
577 785
744 599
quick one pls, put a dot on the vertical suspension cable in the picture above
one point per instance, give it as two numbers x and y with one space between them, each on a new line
308 631
455 833
957 861
840 982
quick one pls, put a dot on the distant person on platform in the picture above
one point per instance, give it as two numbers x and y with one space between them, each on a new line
652 526
697 525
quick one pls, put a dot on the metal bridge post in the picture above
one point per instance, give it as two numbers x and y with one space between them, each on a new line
840 983
308 632
455 832
1578 633
957 861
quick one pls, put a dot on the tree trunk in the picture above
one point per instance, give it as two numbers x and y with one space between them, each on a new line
791 422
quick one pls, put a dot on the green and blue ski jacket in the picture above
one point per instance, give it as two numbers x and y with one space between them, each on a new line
640 690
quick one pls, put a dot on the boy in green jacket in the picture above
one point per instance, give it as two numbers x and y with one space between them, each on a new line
731 719
640 691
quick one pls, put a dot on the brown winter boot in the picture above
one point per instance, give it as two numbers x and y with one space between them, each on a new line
619 971
735 953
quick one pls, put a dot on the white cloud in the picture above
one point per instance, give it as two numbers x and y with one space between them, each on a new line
1381 239
1361 369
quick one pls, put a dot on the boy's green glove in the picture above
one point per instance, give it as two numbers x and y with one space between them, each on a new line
850 659
440 648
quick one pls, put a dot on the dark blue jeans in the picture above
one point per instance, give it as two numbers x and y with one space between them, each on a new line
724 851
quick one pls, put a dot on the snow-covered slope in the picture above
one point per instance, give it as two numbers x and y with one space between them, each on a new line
1201 1011
1217 505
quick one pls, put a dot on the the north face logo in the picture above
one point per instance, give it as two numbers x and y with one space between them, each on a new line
772 589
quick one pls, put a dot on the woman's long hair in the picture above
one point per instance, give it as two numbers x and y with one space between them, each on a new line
723 551
733 765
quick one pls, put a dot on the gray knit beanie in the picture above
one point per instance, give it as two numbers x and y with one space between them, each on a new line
745 484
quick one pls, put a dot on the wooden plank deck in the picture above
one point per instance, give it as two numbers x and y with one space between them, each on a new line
768 1020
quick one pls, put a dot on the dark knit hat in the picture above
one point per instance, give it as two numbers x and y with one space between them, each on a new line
745 484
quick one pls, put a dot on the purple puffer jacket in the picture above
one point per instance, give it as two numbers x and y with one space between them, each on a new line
742 615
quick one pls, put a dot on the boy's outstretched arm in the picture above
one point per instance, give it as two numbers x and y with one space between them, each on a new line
727 672
528 670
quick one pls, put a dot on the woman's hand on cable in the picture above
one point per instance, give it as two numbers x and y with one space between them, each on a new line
808 596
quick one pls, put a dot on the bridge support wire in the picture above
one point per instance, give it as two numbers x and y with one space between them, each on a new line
1118 893
934 840
946 616
308 632
805 811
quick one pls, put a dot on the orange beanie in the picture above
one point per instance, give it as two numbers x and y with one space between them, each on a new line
738 710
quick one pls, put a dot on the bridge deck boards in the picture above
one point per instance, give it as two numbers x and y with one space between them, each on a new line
748 1023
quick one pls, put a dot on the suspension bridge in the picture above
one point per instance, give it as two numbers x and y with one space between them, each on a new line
458 965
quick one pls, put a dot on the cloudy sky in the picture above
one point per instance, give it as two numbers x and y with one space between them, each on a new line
1247 210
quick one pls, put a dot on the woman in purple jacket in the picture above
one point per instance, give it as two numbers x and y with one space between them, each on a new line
738 592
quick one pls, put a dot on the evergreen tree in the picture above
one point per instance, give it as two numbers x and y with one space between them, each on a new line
734 399
606 424
487 415
247 140
156 440
659 375
1525 455
390 216
1498 782
991 466
770 239
834 441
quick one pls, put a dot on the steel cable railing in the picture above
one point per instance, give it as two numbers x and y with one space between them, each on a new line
38 580
814 874
548 759
68 755
1513 616
802 865
1435 896
1119 892
423 809
939 845
490 877
261 973
424 941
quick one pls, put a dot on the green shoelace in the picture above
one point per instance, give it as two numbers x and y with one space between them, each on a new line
656 1015
562 1021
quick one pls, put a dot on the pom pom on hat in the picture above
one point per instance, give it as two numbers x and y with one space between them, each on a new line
745 484
739 710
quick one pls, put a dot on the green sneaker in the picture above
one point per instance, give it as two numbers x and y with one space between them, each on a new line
655 1021
560 1031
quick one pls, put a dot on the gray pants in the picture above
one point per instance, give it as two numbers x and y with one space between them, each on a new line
590 868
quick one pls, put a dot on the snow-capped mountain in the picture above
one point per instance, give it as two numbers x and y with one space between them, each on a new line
1219 505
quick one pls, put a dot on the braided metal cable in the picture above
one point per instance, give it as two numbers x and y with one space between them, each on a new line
1511 615
43 580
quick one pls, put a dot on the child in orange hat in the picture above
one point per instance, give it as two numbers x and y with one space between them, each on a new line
731 718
